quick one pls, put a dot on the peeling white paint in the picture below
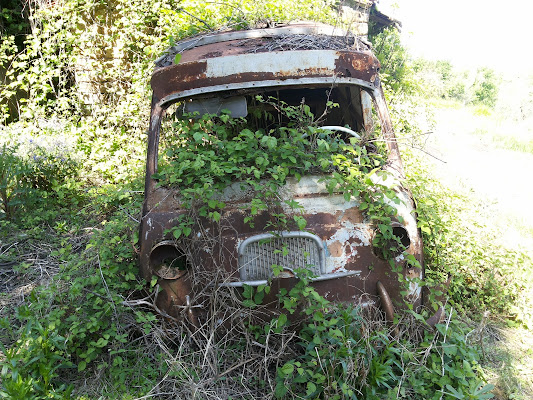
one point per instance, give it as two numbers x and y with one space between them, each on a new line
149 223
414 290
399 258
350 236
327 204
279 62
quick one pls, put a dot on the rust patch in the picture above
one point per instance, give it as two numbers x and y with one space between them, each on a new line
212 54
192 75
357 65
174 294
353 215
412 273
335 249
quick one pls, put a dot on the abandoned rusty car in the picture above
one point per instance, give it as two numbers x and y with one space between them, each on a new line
257 78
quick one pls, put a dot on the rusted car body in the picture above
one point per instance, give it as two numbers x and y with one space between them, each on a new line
337 241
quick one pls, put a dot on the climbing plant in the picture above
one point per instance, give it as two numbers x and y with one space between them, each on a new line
209 153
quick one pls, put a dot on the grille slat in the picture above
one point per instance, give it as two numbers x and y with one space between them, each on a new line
290 250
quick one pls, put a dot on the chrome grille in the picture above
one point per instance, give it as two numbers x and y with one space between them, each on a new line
291 250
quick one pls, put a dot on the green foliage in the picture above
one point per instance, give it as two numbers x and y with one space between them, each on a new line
13 185
30 368
13 28
396 71
79 320
486 87
439 79
343 357
34 174
103 52
461 244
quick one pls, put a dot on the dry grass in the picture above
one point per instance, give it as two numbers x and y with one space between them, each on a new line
508 361
29 260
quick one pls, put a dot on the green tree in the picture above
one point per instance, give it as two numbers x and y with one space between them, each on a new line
14 26
486 87
396 71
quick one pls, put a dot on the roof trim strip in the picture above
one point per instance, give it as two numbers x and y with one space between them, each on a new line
322 81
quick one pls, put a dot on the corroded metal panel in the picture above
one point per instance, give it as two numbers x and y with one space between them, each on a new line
241 70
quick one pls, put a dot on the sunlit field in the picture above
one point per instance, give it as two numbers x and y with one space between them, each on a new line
482 160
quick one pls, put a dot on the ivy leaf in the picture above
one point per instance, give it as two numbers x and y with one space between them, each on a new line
425 229
287 369
347 196
311 388
269 141
282 320
301 222
177 59
281 390
81 366
247 292
248 303
258 298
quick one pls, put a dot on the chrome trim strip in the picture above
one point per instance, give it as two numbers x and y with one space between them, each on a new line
317 279
323 81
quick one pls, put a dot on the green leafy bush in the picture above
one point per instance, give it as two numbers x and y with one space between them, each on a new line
396 70
31 367
14 172
34 173
346 356
486 87
462 243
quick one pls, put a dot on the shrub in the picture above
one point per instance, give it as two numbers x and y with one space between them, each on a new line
486 87
14 175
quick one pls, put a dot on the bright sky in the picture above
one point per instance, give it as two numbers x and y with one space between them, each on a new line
469 33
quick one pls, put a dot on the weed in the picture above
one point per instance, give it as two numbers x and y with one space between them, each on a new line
31 367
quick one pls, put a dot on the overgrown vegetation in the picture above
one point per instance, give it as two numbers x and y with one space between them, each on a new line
440 80
75 320
207 156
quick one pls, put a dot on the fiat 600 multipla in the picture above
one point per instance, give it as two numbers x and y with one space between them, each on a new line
271 156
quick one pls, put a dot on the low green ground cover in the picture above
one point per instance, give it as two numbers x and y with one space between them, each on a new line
83 315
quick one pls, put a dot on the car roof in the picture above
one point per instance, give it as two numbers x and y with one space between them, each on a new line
293 55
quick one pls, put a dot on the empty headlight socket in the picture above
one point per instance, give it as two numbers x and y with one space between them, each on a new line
167 261
399 231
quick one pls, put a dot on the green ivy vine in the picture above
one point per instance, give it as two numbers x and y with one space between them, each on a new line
205 154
